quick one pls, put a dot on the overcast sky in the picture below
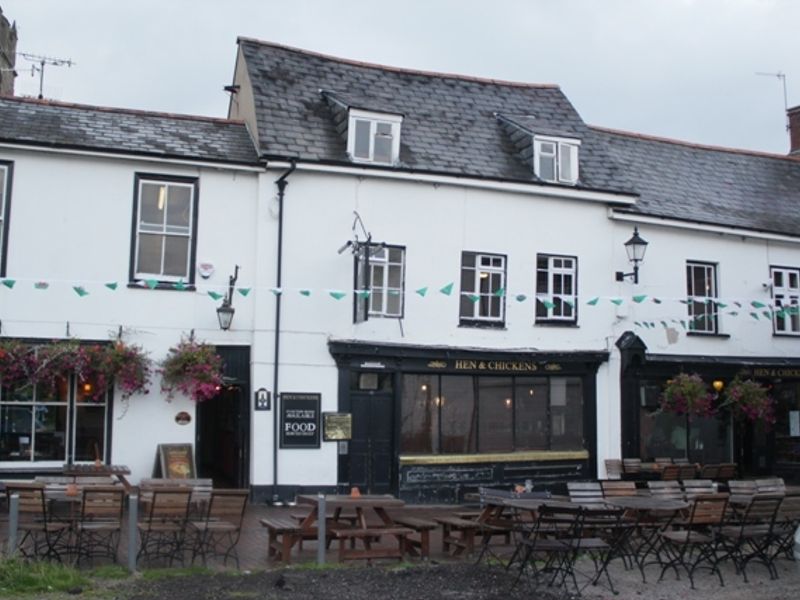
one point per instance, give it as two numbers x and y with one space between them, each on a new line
683 69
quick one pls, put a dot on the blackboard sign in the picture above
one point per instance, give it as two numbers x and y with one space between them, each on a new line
176 461
300 420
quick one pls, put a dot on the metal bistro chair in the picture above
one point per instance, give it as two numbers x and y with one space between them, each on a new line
41 537
100 522
613 468
751 538
217 534
162 529
586 493
616 489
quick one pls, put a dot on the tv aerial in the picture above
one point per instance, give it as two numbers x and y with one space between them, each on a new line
39 62
782 77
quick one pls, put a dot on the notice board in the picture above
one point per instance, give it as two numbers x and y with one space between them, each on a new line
177 461
300 420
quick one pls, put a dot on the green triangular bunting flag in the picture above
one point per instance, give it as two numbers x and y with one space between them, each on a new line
754 315
640 298
276 291
9 283
767 313
305 293
757 304
243 291
569 301
520 297
151 283
363 294
547 304
422 291
593 301
180 285
664 324
499 292
683 323
80 290
473 298
447 290
337 295
617 301
656 300
112 285
41 285
215 295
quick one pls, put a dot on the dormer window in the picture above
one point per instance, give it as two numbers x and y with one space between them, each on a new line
373 137
555 159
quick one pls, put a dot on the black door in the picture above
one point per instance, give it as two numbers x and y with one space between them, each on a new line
372 445
223 425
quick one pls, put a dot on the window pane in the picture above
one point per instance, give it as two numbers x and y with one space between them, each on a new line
547 168
51 427
16 437
419 427
361 147
393 302
531 404
458 417
150 249
377 276
152 204
383 142
496 410
176 256
566 413
179 208
396 255
777 278
395 276
90 432
376 301
565 163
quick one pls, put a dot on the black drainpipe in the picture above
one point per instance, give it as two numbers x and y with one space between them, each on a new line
281 182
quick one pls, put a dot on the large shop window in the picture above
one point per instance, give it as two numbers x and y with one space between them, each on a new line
701 289
381 270
40 425
483 283
165 213
787 425
786 296
666 434
462 414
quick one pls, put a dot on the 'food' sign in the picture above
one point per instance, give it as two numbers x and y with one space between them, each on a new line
300 420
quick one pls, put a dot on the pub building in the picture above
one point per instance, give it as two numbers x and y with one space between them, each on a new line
648 432
432 424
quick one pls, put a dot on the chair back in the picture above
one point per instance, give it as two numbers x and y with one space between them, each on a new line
167 504
709 472
727 471
667 490
564 521
663 460
789 512
742 487
227 505
615 489
687 472
670 473
708 509
102 503
613 468
200 488
32 505
762 510
772 486
585 492
680 460
696 487
631 465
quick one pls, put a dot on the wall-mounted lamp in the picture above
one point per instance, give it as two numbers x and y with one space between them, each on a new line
635 248
225 310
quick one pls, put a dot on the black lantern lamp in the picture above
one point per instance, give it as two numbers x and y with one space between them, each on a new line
225 311
635 248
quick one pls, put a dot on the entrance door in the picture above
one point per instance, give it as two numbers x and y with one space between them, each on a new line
372 445
223 425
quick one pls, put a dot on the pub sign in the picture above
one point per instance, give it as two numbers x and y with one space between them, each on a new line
300 420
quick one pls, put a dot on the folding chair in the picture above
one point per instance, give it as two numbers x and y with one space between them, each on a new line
587 493
697 487
217 534
162 530
41 536
694 541
670 473
100 522
786 524
615 489
613 468
750 539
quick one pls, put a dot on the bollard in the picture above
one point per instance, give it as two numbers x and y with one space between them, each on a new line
133 518
321 523
13 524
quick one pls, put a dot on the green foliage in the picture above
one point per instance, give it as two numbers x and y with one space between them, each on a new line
688 395
110 572
192 368
22 578
156 574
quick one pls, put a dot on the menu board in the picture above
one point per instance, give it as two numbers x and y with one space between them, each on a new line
177 461
337 426
300 420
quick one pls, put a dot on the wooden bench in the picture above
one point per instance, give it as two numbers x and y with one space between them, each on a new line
467 514
421 526
459 533
282 534
367 536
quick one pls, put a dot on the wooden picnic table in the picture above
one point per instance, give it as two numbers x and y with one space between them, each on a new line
92 470
367 533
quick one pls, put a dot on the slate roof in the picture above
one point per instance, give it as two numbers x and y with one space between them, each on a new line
449 122
707 184
46 123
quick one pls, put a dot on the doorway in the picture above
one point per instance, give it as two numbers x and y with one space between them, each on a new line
372 467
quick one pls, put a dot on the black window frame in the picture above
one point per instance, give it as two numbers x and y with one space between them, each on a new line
8 166
138 179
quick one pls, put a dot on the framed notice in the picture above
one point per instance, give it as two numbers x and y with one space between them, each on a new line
177 461
337 426
300 420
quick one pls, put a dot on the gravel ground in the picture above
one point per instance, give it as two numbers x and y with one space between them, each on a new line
462 581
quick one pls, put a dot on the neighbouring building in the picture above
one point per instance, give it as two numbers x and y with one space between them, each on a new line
8 55
433 290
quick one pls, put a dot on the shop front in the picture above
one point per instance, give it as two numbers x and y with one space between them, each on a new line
758 448
431 424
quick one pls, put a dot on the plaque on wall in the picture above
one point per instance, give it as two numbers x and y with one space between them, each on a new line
337 426
299 420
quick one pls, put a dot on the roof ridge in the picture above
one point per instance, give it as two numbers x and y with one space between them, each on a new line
116 110
393 69
656 138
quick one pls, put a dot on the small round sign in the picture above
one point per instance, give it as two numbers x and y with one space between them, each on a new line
183 418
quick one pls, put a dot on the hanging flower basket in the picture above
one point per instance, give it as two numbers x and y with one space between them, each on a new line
749 400
688 395
17 364
192 368
124 365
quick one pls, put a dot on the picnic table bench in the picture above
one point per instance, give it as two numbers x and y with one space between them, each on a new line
367 536
282 534
458 533
423 527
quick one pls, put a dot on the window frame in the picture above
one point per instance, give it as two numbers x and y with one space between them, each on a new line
692 304
165 281
373 118
7 167
793 322
478 320
561 145
362 308
549 317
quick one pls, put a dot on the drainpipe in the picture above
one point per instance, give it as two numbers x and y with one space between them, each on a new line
281 182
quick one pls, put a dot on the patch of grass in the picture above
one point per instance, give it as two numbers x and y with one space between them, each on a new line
156 574
402 566
110 572
18 577
315 566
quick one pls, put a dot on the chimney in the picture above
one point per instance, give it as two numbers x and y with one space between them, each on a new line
793 115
